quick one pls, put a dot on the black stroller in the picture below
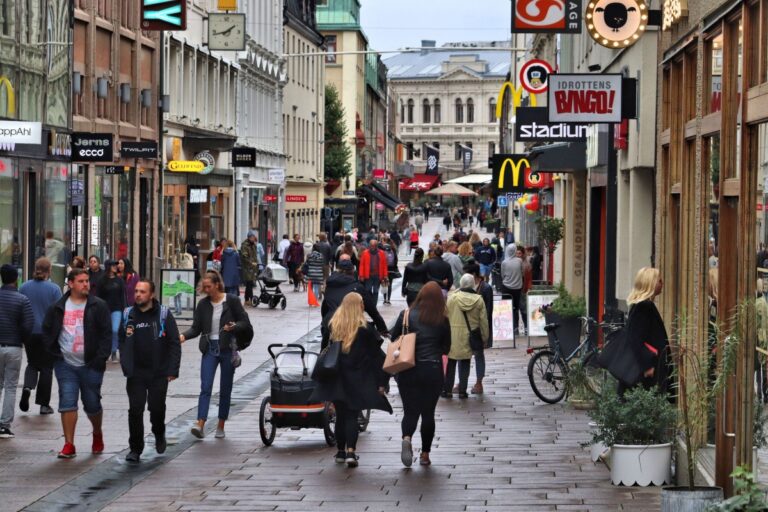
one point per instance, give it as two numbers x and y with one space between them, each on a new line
269 287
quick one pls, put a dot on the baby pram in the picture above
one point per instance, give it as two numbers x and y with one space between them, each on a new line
269 286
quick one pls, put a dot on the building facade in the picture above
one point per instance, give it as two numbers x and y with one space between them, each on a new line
303 119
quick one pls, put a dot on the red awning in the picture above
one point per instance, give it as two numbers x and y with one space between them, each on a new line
419 182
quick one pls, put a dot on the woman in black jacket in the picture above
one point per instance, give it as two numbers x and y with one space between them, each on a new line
648 336
111 289
414 276
218 319
420 386
359 384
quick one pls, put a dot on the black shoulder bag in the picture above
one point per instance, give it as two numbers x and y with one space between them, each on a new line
475 336
327 364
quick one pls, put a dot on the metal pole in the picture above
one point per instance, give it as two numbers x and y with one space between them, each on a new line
611 222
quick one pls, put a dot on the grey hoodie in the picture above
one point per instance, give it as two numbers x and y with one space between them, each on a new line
512 269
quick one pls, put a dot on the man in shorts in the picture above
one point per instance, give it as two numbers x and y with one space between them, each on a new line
77 333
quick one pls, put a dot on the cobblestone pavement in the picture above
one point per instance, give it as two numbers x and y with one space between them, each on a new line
501 451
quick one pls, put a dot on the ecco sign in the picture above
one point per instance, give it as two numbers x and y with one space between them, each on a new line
92 147
585 98
532 125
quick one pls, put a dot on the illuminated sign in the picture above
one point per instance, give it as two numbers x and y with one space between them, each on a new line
672 12
512 173
208 160
585 98
164 14
534 76
532 125
616 24
19 132
517 98
186 166
10 94
92 147
546 16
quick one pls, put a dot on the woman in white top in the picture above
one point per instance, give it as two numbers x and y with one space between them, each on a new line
218 319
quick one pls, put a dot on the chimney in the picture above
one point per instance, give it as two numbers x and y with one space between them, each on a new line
427 43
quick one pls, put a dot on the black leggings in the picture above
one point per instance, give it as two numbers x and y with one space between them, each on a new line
420 390
450 374
346 426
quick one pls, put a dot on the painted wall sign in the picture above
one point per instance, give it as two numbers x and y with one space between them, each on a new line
512 173
585 98
19 132
164 14
616 23
139 149
186 166
546 16
295 199
672 12
517 98
533 125
243 157
92 147
534 76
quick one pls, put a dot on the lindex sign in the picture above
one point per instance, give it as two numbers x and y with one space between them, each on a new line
591 98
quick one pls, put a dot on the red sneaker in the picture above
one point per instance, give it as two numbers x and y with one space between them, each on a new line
68 452
98 443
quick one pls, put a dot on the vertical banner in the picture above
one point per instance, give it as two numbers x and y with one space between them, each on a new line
433 160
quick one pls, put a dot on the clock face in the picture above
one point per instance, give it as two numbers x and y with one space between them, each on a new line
226 31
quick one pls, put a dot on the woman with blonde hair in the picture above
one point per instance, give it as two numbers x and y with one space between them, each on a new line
360 381
648 336
466 254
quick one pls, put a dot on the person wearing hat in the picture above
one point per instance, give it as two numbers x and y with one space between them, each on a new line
251 257
111 289
17 321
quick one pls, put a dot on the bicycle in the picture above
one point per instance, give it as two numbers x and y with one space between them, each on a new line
548 368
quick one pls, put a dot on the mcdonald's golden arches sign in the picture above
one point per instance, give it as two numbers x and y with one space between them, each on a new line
512 173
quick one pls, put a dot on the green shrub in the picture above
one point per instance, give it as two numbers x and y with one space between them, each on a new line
748 495
567 305
643 417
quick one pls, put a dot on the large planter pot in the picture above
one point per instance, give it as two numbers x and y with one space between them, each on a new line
597 450
683 499
331 186
569 332
641 465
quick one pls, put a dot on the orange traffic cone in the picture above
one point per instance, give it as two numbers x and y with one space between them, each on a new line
311 299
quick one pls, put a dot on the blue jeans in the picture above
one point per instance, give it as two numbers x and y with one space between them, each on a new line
316 287
372 285
117 317
479 363
82 380
211 359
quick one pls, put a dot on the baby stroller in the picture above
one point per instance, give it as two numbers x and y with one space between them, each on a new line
269 287
288 404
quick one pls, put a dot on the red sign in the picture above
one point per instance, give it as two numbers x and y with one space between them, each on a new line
534 76
760 207
296 199
379 174
269 198
585 98
552 16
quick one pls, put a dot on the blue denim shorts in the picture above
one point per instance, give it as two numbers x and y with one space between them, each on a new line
485 270
78 380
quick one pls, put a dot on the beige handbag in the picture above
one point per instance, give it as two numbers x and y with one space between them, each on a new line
401 353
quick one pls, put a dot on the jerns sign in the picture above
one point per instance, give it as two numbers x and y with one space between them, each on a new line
92 147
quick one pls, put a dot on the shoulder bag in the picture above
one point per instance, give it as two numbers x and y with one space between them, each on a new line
401 353
475 336
618 358
327 364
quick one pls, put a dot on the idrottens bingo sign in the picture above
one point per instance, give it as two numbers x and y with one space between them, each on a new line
585 98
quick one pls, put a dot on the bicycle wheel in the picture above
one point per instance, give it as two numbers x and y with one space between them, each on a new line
595 376
546 374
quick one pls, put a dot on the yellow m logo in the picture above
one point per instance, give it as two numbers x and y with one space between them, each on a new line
517 98
11 96
523 163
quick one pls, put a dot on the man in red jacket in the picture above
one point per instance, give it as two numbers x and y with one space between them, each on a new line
373 269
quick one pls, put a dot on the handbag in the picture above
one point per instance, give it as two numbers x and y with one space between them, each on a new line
236 359
401 353
618 358
475 336
327 364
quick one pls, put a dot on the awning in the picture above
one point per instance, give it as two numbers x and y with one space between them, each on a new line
386 193
566 157
377 196
419 182
472 179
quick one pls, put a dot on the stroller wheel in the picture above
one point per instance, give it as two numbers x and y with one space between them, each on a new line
329 423
255 302
273 303
266 427
283 303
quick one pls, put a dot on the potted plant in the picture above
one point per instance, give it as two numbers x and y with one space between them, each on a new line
748 496
551 231
566 311
638 428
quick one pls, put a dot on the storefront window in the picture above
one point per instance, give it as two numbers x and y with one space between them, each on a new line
711 158
55 223
121 229
714 48
10 237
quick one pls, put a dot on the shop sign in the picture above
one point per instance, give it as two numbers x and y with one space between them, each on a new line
585 98
95 230
209 162
226 5
348 193
60 144
92 147
517 98
10 94
550 16
116 169
532 125
186 166
141 149
512 173
672 12
270 198
243 157
534 76
276 175
616 23
164 14
296 199
19 132
379 174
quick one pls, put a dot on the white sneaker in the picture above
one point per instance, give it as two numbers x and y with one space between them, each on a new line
220 433
198 431
406 453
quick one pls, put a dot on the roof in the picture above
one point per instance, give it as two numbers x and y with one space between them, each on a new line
429 65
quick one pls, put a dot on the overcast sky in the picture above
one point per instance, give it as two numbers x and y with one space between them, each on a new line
393 24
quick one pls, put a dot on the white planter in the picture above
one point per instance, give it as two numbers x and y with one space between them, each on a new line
641 465
597 449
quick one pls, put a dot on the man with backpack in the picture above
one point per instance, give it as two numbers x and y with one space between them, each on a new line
150 355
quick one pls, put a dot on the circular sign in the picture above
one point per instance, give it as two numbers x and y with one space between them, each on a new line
208 160
617 24
534 76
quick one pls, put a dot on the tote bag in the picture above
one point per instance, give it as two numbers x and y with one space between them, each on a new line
618 357
327 364
401 353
